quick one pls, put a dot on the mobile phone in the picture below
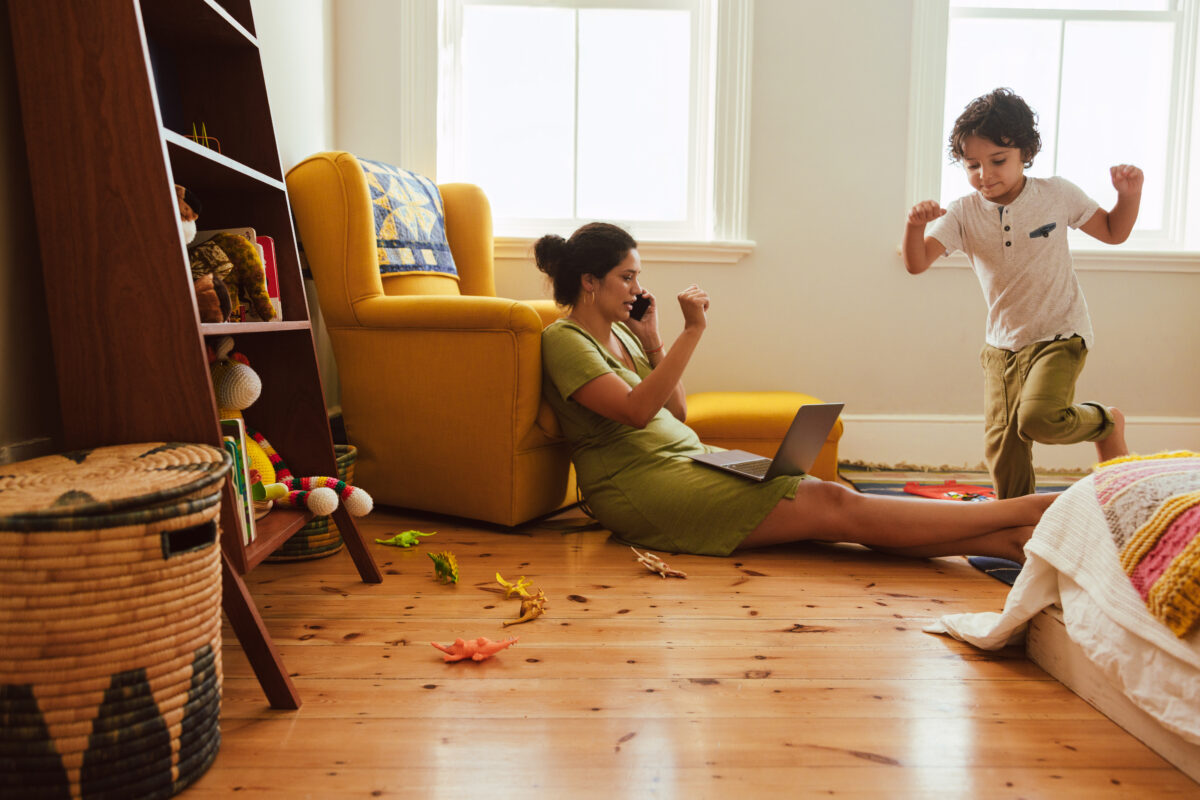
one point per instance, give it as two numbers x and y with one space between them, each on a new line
639 306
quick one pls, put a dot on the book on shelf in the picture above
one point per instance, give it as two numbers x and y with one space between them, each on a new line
205 235
266 247
234 434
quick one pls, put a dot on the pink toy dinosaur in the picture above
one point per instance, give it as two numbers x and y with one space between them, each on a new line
475 649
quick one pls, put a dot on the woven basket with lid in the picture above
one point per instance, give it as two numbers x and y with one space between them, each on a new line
110 620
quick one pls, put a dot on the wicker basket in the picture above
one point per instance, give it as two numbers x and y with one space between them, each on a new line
110 621
320 537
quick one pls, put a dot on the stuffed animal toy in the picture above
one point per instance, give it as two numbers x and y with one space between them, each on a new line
212 299
212 296
236 386
189 212
235 260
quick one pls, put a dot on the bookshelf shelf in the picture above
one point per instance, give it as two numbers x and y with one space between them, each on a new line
181 149
108 89
187 22
273 530
235 328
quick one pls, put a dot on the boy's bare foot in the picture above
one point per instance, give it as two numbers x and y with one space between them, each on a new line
1114 445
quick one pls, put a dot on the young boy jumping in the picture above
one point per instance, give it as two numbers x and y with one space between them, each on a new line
1013 228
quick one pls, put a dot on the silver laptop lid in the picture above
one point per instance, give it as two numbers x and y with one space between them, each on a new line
804 439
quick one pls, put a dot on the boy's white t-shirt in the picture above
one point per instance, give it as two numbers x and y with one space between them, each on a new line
1027 278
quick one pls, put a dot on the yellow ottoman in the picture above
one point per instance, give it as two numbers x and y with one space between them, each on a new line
757 422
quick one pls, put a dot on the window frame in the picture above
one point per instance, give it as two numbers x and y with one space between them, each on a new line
1174 249
724 240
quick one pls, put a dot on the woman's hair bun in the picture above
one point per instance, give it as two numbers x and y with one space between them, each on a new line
593 249
549 253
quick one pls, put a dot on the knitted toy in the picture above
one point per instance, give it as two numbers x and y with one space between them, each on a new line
315 493
236 386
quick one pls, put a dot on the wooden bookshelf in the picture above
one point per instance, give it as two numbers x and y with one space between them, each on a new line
109 92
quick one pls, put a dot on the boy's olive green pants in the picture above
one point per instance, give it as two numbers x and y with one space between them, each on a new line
1029 397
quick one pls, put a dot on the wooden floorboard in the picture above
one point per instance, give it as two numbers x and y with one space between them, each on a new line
797 671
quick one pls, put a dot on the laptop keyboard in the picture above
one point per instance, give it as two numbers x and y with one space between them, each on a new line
756 468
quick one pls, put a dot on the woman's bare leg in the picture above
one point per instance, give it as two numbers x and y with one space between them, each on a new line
1008 543
827 511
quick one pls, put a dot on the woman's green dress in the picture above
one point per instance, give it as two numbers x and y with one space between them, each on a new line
640 483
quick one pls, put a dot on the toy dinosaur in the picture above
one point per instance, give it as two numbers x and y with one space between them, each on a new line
656 564
517 588
475 649
405 539
532 607
445 567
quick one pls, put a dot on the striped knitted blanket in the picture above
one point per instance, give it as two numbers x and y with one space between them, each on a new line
1152 505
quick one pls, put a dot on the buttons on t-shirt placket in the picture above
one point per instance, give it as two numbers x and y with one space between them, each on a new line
1004 216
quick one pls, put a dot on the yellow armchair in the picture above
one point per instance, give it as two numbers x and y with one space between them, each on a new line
441 381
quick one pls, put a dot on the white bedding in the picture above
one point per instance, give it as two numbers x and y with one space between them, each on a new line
1072 562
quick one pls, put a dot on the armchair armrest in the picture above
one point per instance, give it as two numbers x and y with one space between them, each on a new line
448 312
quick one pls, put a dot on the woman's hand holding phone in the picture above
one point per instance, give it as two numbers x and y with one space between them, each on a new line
639 306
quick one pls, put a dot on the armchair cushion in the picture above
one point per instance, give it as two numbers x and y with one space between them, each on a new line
410 225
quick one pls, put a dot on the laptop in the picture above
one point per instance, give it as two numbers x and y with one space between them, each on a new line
797 452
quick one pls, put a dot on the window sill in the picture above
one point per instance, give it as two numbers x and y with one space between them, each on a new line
1114 260
728 252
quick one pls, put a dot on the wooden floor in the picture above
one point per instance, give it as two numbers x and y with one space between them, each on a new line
793 672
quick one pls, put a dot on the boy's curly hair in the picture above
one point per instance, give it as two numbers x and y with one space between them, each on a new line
1002 117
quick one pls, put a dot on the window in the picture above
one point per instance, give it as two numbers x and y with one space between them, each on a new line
572 110
1112 81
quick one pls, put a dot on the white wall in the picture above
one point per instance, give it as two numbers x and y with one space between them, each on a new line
297 55
824 305
296 44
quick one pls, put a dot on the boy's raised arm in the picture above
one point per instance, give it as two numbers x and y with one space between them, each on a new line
919 250
1114 227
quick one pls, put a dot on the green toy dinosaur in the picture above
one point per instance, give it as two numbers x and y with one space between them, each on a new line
405 539
445 567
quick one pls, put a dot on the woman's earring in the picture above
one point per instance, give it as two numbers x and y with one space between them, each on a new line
591 297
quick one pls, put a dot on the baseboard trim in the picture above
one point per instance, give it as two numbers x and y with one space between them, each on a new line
956 441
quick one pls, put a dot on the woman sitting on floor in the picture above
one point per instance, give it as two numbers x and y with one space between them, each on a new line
616 390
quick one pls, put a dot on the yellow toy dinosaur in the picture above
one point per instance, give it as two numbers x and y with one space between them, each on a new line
511 589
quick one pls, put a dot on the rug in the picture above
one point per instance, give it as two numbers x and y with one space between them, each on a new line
892 482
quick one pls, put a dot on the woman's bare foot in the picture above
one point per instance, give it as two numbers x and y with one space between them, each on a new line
1114 446
1015 543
